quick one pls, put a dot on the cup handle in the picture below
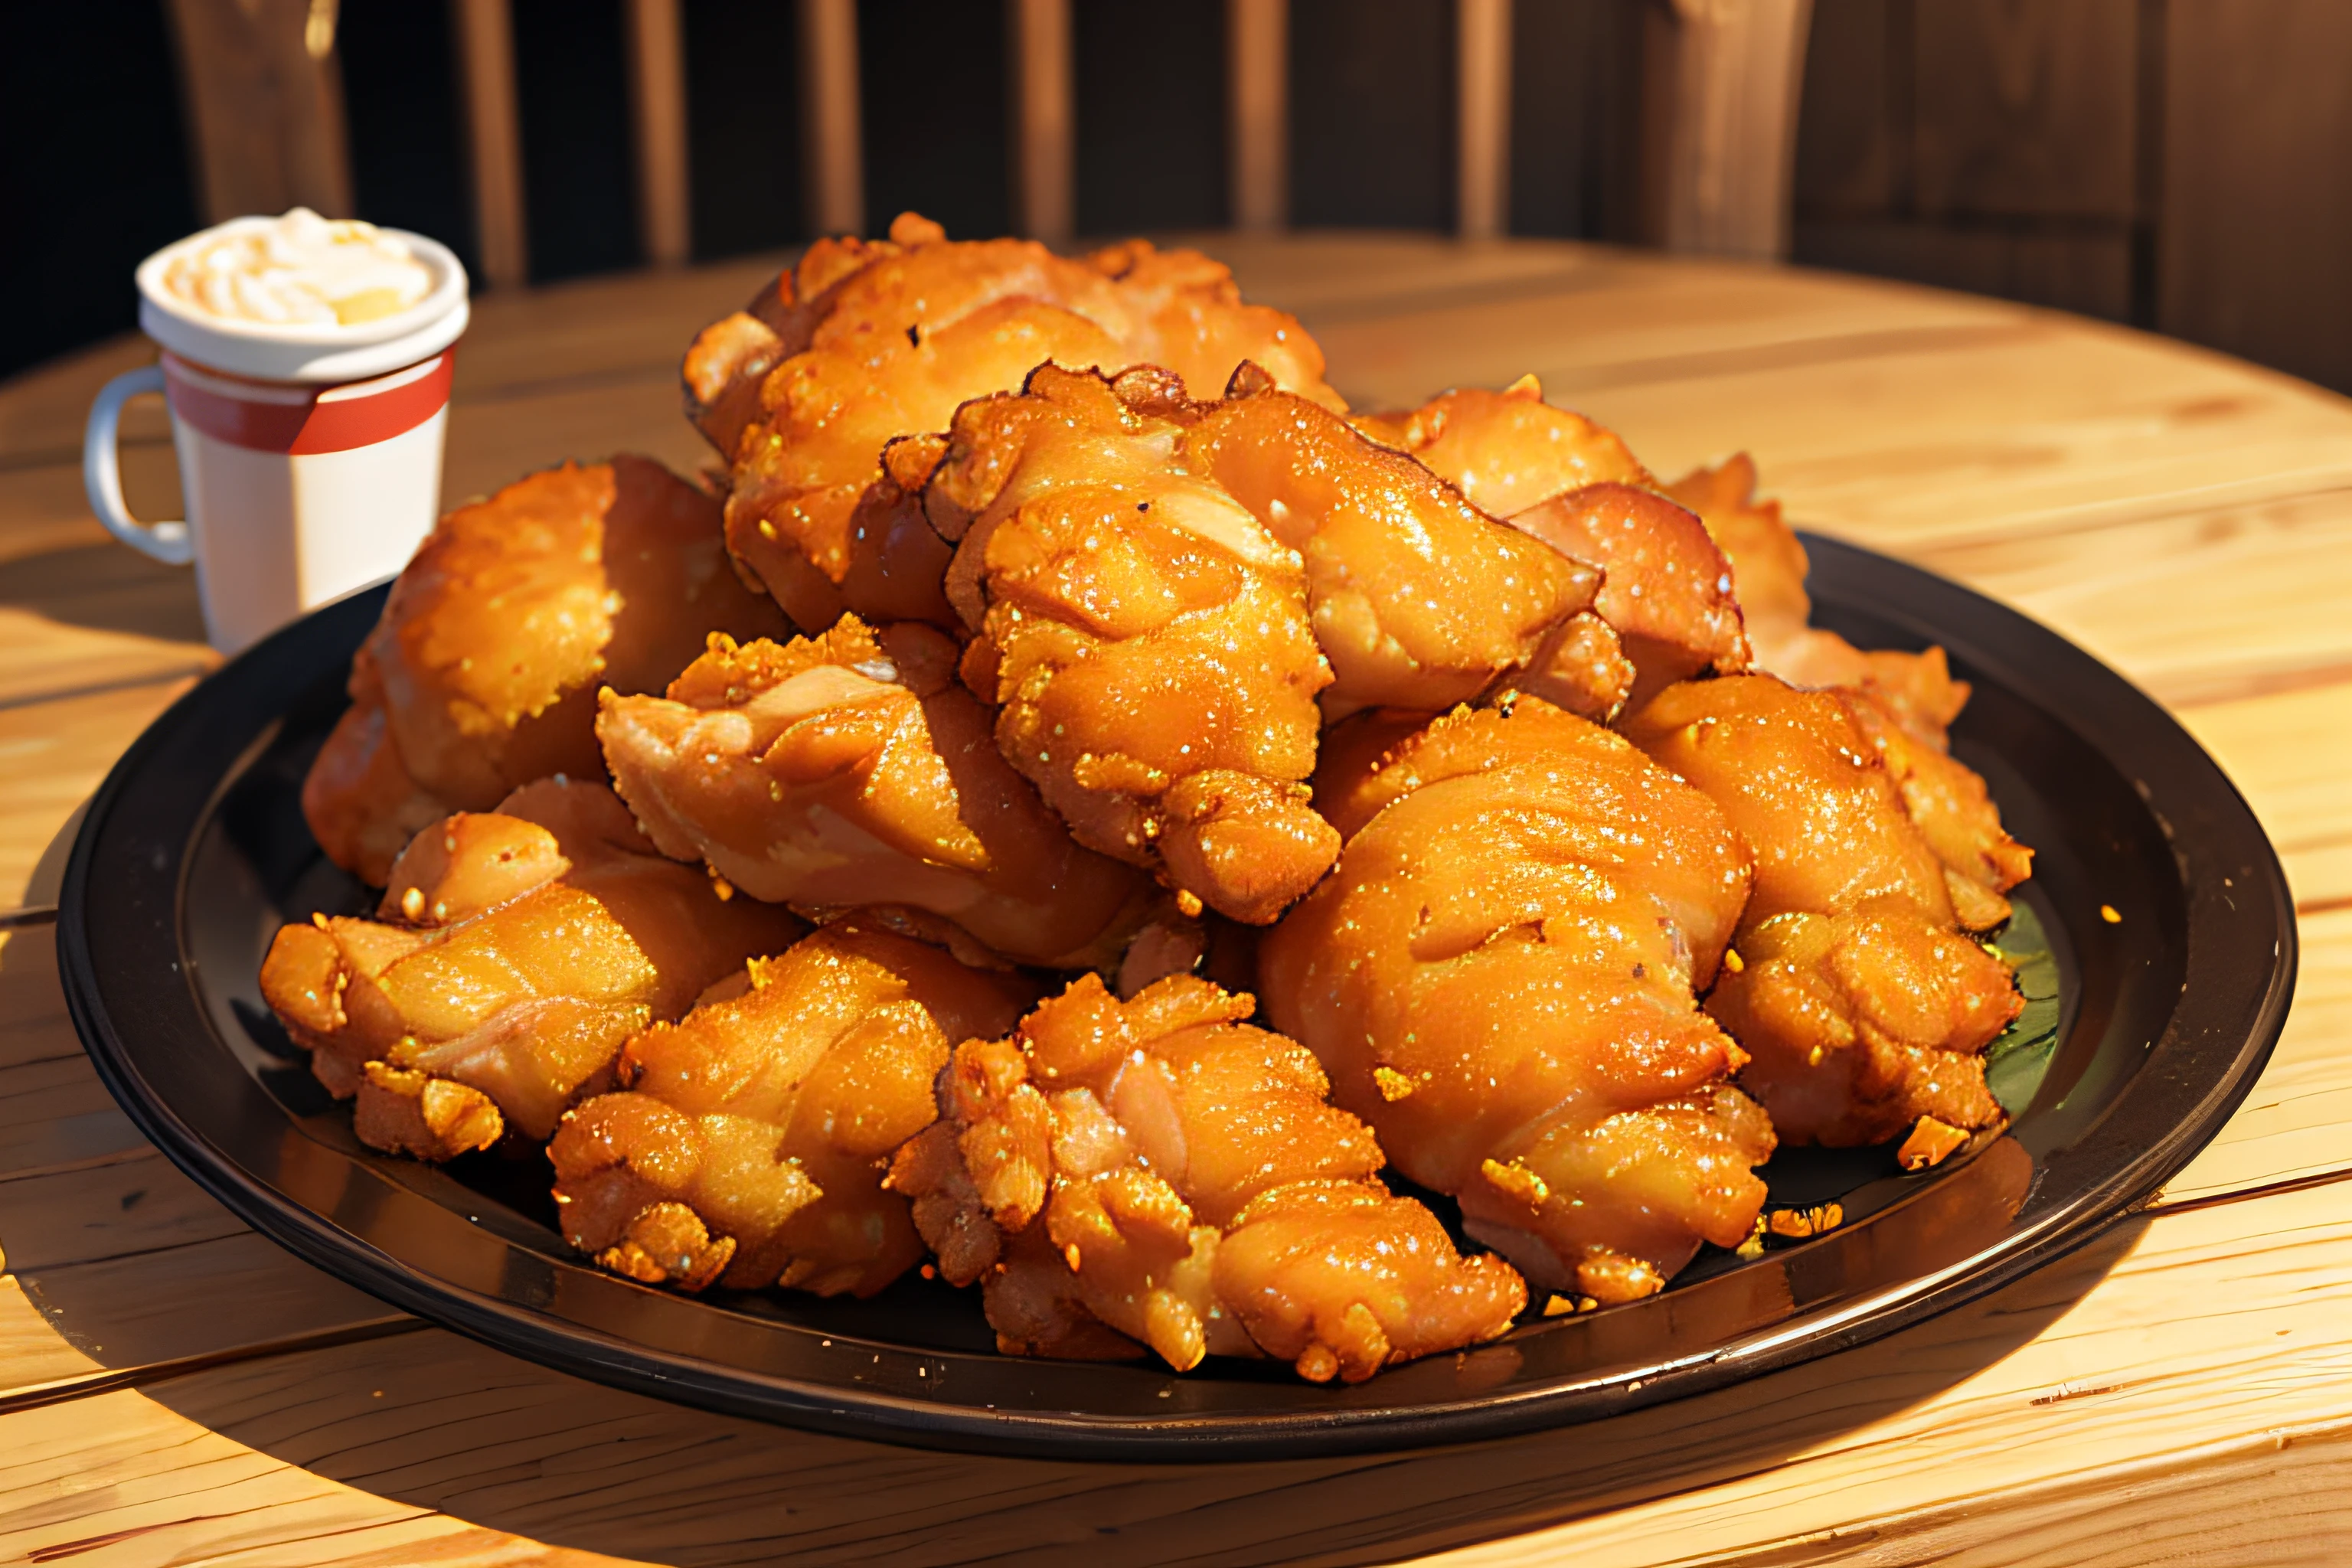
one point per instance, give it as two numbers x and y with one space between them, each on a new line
101 471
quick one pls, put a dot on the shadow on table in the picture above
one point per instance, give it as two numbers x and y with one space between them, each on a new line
125 1260
435 1421
106 587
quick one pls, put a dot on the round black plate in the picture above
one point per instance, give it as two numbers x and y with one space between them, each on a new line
194 851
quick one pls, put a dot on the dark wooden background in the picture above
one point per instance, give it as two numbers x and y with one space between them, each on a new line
2184 165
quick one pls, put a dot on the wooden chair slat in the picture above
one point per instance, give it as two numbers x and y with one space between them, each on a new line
1258 98
1726 130
657 101
486 63
265 104
1483 62
1044 122
1722 83
832 146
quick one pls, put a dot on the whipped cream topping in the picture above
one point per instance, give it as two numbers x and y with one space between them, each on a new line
300 269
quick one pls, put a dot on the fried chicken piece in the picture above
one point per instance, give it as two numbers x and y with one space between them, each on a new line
1501 978
851 769
748 1141
1203 1195
513 952
863 341
1666 587
1768 570
1209 946
1419 599
1905 702
1349 789
1862 1005
482 674
1951 805
361 804
1509 451
1146 639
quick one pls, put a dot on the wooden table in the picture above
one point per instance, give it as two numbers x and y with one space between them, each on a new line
174 1389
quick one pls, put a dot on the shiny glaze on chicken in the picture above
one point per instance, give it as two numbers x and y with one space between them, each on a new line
1949 802
1768 570
1905 702
853 770
1146 638
862 342
1862 1005
1666 587
1500 977
482 674
1507 450
1419 599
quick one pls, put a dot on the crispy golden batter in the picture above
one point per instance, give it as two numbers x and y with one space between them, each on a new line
748 1142
1146 637
1500 977
1862 1005
1905 702
1768 561
851 769
1203 1196
1509 451
1951 805
1768 570
1419 599
1664 588
863 341
482 674
512 954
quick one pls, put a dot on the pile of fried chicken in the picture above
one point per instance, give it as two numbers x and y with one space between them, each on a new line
1073 806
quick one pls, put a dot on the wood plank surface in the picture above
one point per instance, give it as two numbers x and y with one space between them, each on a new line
53 756
2212 1332
172 1387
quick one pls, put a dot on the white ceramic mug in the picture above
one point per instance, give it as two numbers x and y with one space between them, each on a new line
309 455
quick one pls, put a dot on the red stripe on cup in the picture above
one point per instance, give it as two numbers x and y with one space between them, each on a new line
278 417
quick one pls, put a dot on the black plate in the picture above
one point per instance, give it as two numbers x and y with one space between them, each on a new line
194 851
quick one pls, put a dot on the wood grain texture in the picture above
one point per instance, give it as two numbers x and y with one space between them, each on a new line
2088 270
1992 145
2025 109
1482 60
1045 121
265 104
1854 134
2173 1343
486 63
1731 73
657 108
833 142
2255 243
53 756
1257 108
89 1211
2290 1127
2174 1392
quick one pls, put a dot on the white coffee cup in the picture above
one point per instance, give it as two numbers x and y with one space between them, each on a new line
310 454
